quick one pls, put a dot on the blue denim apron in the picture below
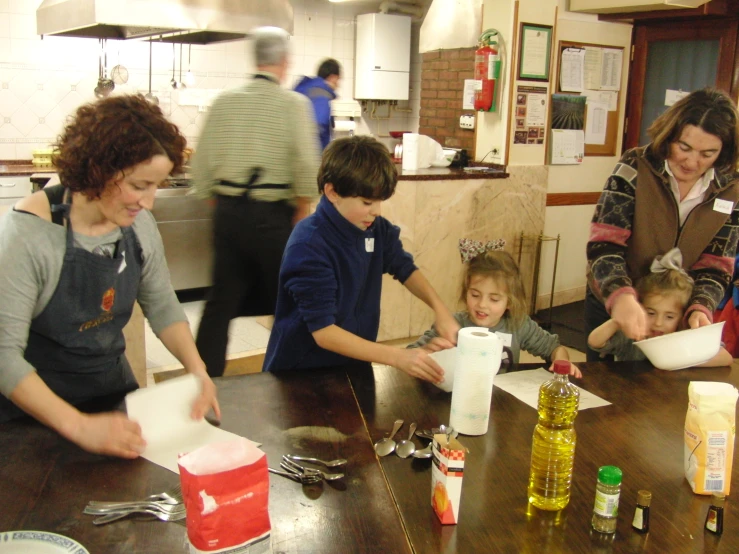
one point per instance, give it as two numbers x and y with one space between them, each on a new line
76 343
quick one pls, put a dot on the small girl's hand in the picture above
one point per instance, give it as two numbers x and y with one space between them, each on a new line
574 370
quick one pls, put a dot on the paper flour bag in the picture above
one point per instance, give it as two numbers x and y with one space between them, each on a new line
709 436
225 487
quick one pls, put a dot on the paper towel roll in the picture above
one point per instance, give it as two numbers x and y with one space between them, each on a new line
344 125
478 360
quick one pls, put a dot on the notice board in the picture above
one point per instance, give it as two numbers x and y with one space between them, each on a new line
611 121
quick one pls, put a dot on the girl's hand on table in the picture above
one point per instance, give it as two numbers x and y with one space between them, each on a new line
416 362
437 344
110 433
574 370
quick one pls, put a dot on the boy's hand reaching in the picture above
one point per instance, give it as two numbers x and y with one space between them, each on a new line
437 344
417 363
447 327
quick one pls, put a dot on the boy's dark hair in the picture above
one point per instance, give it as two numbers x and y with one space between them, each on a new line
329 67
358 166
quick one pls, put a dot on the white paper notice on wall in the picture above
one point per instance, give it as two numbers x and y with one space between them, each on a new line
672 96
568 146
595 123
468 95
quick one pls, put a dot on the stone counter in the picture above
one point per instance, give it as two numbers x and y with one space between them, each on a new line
13 168
434 214
451 174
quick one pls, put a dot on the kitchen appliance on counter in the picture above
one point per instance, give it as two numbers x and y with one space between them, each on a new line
185 224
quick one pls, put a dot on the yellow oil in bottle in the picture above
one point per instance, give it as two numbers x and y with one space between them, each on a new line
553 444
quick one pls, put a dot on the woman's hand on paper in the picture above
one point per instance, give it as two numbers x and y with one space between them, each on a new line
207 398
437 344
417 363
109 433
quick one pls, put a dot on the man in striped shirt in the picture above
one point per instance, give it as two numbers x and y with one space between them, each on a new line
258 155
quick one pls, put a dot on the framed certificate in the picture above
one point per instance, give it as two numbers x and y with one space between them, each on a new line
536 48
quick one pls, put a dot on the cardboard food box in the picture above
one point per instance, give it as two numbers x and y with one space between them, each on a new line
446 478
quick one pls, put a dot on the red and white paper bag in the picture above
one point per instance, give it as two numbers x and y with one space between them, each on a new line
225 487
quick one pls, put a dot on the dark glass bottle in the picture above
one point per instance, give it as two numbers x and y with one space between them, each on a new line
641 514
715 515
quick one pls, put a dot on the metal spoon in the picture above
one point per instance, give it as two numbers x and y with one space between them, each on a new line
386 445
329 463
423 452
406 447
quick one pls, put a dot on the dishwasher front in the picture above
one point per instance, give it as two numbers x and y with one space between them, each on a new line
185 224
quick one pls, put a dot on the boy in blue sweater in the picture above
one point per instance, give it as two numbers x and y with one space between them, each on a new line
328 303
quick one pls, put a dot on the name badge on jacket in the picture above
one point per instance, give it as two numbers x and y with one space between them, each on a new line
723 206
369 245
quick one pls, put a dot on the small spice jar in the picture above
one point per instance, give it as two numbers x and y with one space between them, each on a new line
607 493
715 515
641 514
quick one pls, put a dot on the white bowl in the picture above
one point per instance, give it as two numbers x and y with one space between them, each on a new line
441 163
684 348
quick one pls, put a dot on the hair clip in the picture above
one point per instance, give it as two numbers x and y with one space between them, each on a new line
672 260
469 248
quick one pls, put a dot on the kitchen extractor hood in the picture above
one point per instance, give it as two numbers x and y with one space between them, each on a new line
184 21
630 6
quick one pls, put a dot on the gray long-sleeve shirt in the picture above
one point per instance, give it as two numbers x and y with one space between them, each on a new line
31 256
528 336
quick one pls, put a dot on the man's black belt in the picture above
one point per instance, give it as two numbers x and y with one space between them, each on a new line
255 173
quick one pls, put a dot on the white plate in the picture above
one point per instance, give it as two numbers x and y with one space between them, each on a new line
38 542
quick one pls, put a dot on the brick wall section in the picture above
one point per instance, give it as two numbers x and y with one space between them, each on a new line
442 81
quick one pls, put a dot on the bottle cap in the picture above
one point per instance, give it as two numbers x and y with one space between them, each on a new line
610 475
562 367
643 498
717 499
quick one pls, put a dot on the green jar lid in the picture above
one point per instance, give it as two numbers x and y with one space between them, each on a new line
610 475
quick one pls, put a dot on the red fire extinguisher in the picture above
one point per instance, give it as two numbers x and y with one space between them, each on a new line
487 71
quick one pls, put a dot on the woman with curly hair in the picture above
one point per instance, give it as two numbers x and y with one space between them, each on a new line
73 259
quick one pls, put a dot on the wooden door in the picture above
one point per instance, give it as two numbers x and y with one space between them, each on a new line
677 55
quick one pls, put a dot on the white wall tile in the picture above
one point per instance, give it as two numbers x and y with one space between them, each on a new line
50 78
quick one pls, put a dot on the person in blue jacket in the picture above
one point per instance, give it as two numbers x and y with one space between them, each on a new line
321 90
328 300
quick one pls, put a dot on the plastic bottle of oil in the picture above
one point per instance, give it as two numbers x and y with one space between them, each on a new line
553 445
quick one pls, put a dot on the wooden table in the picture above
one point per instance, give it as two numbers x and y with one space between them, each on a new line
384 505
641 432
45 481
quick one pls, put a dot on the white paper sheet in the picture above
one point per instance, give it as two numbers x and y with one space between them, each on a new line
447 359
567 146
672 96
163 411
596 123
468 93
536 110
524 385
571 72
608 97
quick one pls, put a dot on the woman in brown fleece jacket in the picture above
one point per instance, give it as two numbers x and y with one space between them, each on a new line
687 193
